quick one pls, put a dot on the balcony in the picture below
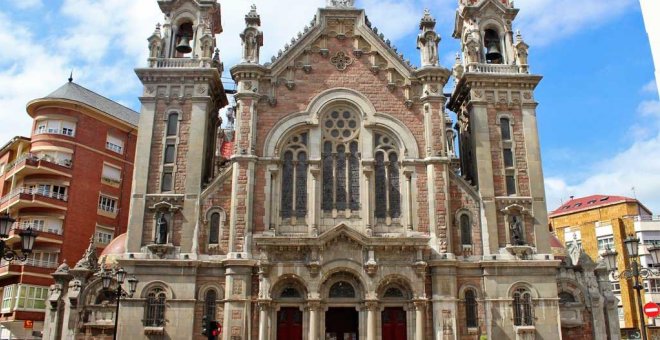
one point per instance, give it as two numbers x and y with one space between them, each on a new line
495 69
30 164
184 63
48 232
17 268
24 197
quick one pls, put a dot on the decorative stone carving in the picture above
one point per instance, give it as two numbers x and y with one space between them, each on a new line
521 49
428 40
89 260
341 61
340 3
252 37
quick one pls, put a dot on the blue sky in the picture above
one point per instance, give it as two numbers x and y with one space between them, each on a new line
599 114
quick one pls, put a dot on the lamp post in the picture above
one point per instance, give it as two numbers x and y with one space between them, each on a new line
633 270
120 277
28 237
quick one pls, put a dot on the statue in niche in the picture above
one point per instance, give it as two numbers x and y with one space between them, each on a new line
250 48
451 136
517 230
161 229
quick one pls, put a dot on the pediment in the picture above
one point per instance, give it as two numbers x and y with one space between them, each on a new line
342 233
346 25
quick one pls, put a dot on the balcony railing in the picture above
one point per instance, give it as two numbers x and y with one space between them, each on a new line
114 147
30 262
647 218
30 157
179 63
33 191
495 69
46 228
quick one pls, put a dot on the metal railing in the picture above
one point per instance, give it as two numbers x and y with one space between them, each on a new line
45 227
35 158
114 147
33 191
30 262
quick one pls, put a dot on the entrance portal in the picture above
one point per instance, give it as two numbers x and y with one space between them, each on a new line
341 324
394 323
289 324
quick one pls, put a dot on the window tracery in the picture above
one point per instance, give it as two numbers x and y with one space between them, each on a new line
387 181
522 307
340 161
342 289
294 177
155 308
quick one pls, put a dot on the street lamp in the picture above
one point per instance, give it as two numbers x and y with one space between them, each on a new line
28 237
120 277
634 271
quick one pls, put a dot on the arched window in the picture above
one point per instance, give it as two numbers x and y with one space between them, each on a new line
466 229
340 158
393 293
214 228
155 308
386 181
172 124
522 308
290 293
210 304
294 177
342 289
471 316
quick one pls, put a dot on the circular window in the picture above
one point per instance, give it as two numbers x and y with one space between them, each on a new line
341 125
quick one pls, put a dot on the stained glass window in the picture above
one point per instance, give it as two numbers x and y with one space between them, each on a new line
393 292
379 183
386 178
395 194
294 177
341 159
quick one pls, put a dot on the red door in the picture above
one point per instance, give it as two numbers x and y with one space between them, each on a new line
289 324
394 323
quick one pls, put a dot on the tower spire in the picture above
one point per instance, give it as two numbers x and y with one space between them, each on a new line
71 77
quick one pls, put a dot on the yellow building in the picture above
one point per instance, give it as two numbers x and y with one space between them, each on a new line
597 222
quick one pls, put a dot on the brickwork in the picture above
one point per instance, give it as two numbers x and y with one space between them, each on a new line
460 199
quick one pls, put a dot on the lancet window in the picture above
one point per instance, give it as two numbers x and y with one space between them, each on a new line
340 161
522 307
386 182
294 177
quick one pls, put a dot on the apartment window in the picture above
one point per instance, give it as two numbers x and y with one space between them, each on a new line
605 242
510 185
103 235
61 127
43 259
169 153
654 285
8 295
49 225
115 144
111 174
31 297
108 204
616 287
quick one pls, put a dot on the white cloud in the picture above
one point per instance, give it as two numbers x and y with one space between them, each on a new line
650 87
545 21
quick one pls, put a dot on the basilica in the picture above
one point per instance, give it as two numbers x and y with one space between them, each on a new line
351 205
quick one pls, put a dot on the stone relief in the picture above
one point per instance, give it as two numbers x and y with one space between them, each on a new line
340 3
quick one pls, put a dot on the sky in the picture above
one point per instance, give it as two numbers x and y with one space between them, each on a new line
598 114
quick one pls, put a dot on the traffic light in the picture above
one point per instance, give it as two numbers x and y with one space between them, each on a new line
216 330
205 326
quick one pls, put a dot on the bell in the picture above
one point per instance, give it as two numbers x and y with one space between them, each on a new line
184 45
493 53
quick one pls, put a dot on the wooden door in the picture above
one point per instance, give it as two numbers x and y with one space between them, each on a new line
289 324
394 323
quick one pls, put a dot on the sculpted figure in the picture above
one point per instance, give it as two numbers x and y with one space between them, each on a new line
516 228
161 235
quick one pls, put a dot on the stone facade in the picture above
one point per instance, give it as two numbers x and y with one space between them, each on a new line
345 212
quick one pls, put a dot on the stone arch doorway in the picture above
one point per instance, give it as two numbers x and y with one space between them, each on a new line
343 294
289 297
394 295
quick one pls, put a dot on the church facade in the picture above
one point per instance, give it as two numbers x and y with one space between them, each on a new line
345 211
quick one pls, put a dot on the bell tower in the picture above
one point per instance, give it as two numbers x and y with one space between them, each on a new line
498 136
180 102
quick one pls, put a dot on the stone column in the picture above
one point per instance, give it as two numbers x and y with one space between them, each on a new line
314 308
372 309
420 307
264 308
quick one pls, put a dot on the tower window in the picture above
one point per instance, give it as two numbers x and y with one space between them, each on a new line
210 304
155 308
510 185
508 158
172 124
471 316
522 308
505 129
214 231
466 229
